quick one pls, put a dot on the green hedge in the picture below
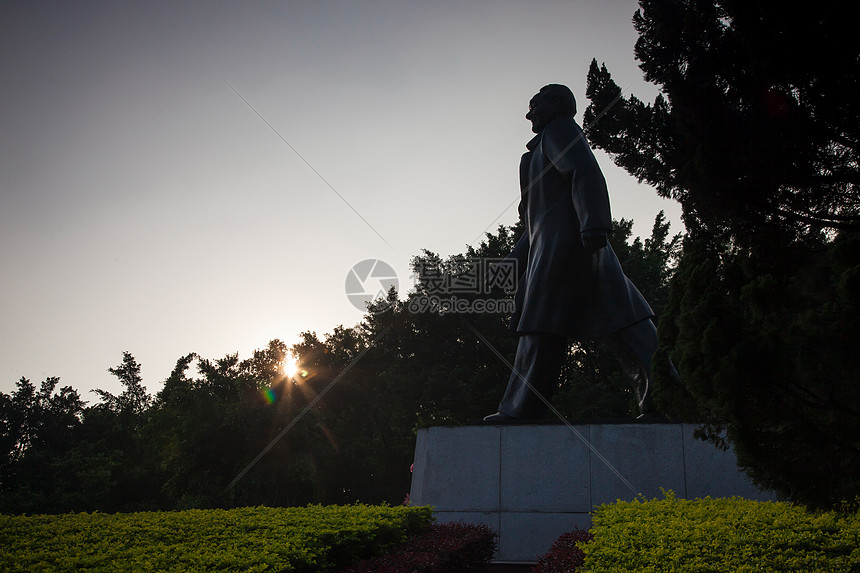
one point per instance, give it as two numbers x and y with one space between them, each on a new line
313 538
720 535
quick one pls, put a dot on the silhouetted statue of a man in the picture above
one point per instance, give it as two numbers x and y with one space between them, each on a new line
571 284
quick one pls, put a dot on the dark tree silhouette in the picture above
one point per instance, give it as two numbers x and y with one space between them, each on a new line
758 121
756 134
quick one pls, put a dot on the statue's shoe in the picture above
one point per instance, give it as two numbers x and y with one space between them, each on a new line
499 418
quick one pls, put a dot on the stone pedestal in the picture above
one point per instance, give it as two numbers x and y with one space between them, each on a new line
531 483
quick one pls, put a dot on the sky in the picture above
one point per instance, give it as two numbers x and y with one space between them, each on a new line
189 176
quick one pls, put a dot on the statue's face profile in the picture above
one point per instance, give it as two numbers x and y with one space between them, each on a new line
553 101
541 111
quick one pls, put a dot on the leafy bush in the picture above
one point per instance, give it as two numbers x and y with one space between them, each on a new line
298 539
720 535
564 556
446 547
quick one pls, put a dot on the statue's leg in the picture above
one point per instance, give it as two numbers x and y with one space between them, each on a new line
634 346
537 364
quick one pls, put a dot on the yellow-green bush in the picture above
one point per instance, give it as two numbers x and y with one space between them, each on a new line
313 538
720 535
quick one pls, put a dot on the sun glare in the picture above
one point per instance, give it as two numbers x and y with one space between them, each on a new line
290 366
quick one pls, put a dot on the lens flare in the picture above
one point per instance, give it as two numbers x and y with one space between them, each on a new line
269 395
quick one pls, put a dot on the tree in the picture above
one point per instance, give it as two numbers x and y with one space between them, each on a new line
760 121
229 432
453 367
765 344
113 435
205 431
755 133
134 400
39 430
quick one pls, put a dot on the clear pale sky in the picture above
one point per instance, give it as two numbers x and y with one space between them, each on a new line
144 206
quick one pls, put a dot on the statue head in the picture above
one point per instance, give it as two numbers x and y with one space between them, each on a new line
551 102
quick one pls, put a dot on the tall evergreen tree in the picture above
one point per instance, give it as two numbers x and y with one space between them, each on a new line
758 121
756 134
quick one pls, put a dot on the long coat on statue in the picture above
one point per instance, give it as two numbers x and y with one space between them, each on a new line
563 289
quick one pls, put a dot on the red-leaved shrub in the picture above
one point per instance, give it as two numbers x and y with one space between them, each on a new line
447 547
564 556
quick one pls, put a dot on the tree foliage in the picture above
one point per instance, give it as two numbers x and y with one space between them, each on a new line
755 133
764 339
759 116
39 433
228 432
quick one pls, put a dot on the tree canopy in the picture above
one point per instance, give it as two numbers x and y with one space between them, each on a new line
758 121
755 133
228 432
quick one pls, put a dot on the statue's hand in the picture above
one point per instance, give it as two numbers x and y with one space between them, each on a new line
593 241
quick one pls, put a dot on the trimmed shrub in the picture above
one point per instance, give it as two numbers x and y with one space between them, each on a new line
294 539
565 555
445 548
720 535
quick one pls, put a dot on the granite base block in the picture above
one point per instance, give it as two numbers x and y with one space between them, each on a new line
531 483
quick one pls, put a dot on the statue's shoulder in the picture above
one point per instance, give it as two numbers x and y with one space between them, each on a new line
564 143
562 130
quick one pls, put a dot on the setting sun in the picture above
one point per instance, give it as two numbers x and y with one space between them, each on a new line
290 366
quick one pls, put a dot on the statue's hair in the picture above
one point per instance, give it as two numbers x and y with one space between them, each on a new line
562 97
